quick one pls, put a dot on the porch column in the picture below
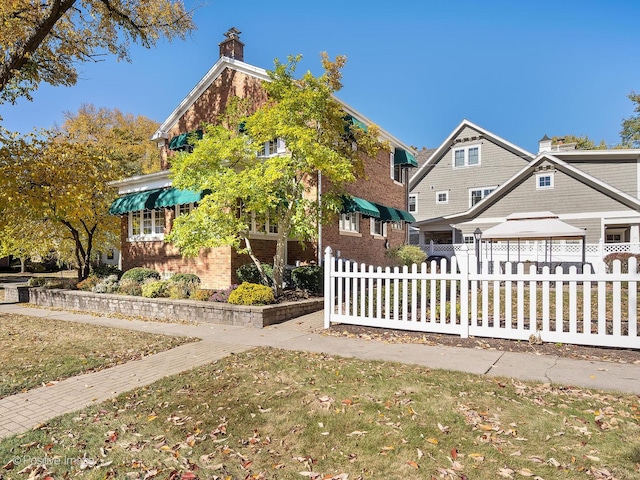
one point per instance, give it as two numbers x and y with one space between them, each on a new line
634 233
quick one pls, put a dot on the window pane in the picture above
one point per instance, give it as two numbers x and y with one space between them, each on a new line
147 222
159 222
459 158
135 223
476 196
474 156
412 203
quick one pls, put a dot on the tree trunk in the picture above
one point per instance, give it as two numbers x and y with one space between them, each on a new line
279 266
23 264
256 261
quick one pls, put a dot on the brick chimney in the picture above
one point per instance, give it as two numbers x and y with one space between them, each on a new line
232 47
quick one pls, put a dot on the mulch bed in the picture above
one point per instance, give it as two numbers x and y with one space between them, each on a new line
579 352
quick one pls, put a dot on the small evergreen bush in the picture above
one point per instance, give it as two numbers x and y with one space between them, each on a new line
155 289
104 271
309 278
109 284
140 274
130 286
249 273
251 294
37 282
183 285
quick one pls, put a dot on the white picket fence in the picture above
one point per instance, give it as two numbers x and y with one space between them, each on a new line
587 308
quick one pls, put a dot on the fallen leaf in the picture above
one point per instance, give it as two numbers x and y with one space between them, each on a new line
413 464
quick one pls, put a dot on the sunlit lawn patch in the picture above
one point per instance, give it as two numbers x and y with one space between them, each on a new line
278 414
34 350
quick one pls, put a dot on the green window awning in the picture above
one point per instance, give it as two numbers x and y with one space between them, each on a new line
135 201
406 216
402 157
355 204
181 141
174 196
153 200
388 214
353 121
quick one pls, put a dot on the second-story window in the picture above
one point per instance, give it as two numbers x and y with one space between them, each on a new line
413 203
544 181
271 148
442 197
477 194
466 156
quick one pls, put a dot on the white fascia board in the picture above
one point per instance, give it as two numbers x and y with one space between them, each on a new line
140 183
206 81
446 144
612 154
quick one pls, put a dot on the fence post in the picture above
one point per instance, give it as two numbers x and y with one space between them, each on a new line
328 293
464 291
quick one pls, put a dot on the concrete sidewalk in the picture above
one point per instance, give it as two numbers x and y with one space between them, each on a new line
21 412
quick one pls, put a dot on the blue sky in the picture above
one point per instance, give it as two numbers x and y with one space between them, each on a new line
521 69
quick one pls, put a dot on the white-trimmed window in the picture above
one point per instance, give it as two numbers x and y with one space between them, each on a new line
544 181
466 156
413 202
398 172
397 225
350 222
263 225
184 209
477 194
469 239
272 147
378 228
146 224
442 197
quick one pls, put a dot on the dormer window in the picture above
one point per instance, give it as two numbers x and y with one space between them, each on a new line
466 156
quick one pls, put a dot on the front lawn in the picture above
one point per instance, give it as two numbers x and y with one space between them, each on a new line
278 414
35 351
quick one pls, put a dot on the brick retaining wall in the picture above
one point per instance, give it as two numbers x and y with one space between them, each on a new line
163 308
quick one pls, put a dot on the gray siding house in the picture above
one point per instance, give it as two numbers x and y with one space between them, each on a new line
476 179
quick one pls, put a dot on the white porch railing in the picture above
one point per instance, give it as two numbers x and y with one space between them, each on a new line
536 251
580 308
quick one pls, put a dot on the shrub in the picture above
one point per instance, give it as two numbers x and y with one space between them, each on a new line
129 286
88 283
37 281
186 277
249 273
202 294
104 271
109 284
222 296
251 294
407 255
309 278
140 275
183 285
624 259
155 289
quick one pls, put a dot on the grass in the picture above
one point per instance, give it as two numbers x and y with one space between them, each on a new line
278 414
35 351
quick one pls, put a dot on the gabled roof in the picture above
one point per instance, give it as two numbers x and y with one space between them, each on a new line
528 170
444 146
261 74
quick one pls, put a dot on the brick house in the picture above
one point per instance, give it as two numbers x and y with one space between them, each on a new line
374 219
